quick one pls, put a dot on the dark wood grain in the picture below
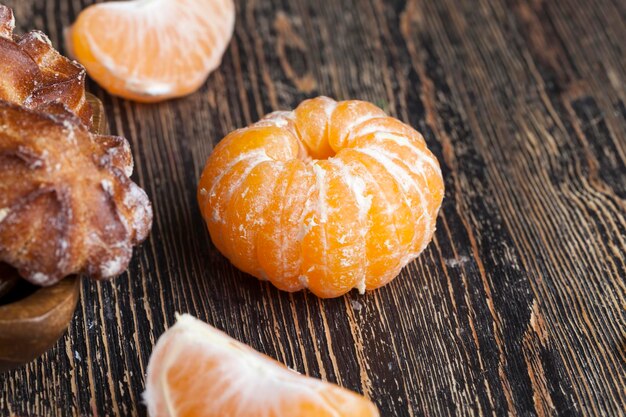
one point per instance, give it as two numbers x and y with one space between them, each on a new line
518 307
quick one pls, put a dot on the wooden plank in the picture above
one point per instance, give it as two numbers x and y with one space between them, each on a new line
517 307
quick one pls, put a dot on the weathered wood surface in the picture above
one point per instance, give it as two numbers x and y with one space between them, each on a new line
518 306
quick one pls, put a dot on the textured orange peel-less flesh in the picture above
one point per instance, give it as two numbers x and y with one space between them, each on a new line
152 50
330 197
196 370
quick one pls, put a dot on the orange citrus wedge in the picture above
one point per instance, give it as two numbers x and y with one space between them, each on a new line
152 50
197 371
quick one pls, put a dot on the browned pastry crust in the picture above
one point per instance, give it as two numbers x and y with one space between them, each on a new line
67 205
35 74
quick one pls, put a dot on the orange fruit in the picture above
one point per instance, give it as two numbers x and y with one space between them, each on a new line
330 197
196 370
152 50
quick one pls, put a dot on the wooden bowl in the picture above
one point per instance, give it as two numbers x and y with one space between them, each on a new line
32 319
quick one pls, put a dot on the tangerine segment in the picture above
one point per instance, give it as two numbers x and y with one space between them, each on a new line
402 158
234 161
278 240
352 220
385 125
196 370
244 216
311 121
152 50
333 248
345 117
389 235
260 143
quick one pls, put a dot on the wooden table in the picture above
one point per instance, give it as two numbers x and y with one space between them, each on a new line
517 307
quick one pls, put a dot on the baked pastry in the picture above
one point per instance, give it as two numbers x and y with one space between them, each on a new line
330 197
67 204
34 74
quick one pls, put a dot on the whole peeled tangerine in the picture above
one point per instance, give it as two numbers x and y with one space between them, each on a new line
331 196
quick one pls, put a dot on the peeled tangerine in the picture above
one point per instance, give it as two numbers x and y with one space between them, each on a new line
152 50
331 196
197 371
